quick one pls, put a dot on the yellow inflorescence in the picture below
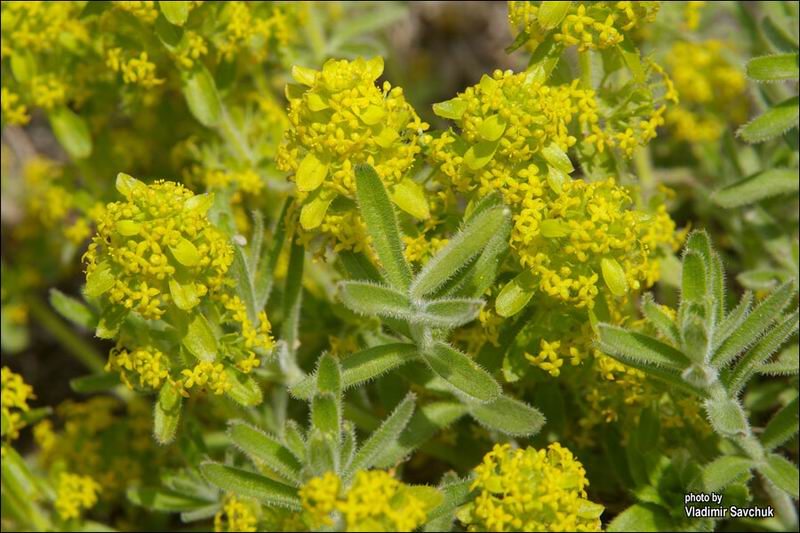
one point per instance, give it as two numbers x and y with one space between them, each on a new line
711 90
14 112
160 248
136 70
339 119
143 10
74 494
374 502
566 239
587 25
531 490
148 365
235 515
15 395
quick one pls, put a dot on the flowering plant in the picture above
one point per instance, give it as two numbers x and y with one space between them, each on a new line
357 285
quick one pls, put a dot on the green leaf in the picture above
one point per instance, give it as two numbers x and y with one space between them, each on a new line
693 278
99 281
508 416
461 372
314 209
200 339
557 158
244 388
293 296
787 363
660 319
310 173
724 470
201 96
633 60
379 217
782 427
157 499
409 196
551 14
773 68
251 485
184 296
72 132
614 276
199 203
492 128
781 473
642 517
747 366
94 383
175 12
755 188
371 299
479 155
72 309
516 294
450 312
294 440
734 319
453 109
244 282
629 346
383 437
127 184
329 376
462 247
261 447
756 323
726 416
326 414
186 252
773 122
167 413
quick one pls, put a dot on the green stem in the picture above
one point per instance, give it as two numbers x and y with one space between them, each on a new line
77 346
644 170
585 63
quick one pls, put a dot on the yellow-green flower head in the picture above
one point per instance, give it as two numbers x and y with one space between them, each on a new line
530 490
339 118
587 25
235 515
156 249
75 494
588 238
711 91
14 397
507 123
375 501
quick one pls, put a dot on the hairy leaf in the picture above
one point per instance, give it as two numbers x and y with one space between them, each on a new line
767 184
773 68
781 473
630 346
264 448
251 485
383 437
508 416
724 470
782 427
461 372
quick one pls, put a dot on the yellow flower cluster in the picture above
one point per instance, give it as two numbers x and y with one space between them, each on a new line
254 337
14 111
148 364
374 502
235 515
136 70
74 494
587 25
204 373
245 24
14 397
711 89
47 91
37 26
115 450
143 10
338 119
157 248
692 14
192 48
587 232
530 490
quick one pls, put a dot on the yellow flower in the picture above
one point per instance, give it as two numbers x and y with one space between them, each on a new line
711 89
338 119
157 248
143 10
235 515
375 501
149 364
14 112
74 494
530 490
587 25
14 397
